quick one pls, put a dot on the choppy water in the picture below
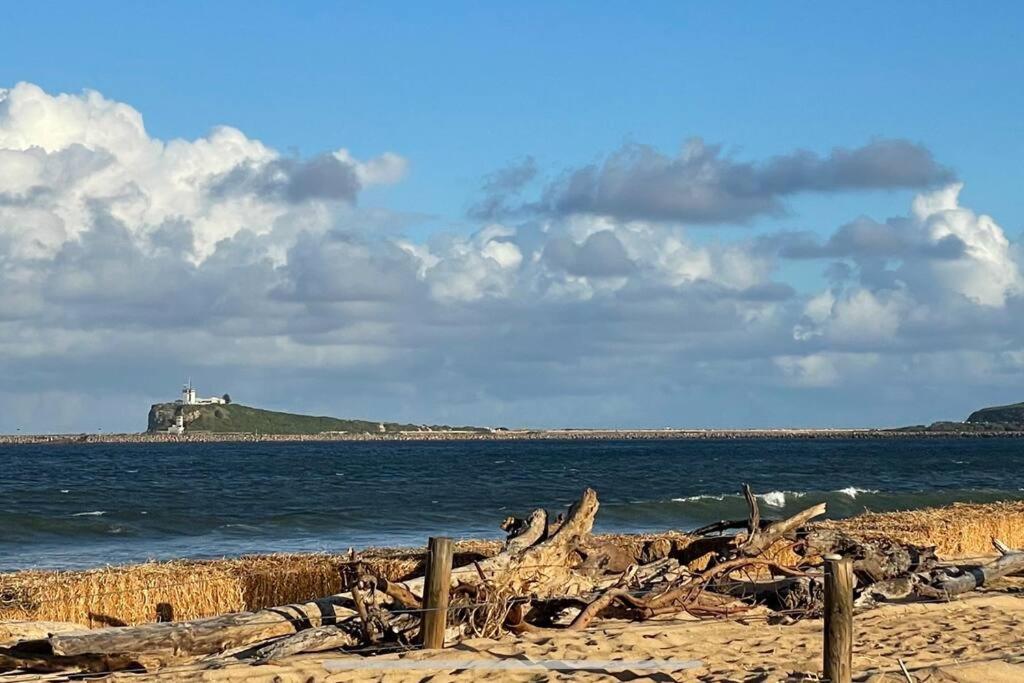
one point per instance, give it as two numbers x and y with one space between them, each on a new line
73 506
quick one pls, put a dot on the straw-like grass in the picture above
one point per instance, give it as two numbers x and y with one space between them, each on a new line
181 590
961 529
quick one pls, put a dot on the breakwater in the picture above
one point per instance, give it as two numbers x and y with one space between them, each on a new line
501 435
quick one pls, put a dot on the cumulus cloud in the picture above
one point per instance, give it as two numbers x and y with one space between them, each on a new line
702 185
128 262
63 157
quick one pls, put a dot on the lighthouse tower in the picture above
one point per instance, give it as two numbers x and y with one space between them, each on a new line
188 394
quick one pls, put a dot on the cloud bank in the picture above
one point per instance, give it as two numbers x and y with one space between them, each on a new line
128 262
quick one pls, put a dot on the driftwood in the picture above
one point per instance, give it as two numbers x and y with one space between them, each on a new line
544 567
761 539
971 578
311 640
875 559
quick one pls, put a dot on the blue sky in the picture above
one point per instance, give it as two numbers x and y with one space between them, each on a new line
459 91
463 88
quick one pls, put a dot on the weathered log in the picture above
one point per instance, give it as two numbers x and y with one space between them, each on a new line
971 578
181 641
311 640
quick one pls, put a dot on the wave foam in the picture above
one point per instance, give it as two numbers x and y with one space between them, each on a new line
93 513
852 491
775 499
692 499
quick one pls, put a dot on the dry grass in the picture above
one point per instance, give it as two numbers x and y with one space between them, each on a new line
132 594
193 589
961 529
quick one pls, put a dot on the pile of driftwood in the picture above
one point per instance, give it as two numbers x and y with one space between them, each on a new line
552 574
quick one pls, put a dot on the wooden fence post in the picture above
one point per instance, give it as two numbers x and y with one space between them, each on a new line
436 590
838 655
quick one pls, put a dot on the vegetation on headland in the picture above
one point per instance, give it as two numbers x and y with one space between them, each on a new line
994 419
235 418
1003 415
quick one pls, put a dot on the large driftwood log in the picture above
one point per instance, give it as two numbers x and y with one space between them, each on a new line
971 578
167 643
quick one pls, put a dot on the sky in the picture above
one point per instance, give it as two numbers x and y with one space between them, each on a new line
539 214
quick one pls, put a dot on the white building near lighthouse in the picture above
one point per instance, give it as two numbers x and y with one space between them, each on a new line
188 397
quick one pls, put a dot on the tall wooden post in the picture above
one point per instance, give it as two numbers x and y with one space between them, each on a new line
838 659
436 590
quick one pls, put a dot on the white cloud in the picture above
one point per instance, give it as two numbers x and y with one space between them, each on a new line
64 155
988 273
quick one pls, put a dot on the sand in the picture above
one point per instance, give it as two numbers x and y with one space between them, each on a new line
977 638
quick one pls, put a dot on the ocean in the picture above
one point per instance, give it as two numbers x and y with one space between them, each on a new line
73 506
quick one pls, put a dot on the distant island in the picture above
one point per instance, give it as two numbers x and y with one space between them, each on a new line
192 419
192 414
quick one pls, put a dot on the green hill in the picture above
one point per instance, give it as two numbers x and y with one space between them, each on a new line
1011 414
238 418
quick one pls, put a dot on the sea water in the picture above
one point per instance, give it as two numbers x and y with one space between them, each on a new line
68 506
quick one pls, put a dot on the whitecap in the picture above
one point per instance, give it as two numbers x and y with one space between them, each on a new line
131 471
64 490
691 499
498 462
775 499
852 491
94 513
